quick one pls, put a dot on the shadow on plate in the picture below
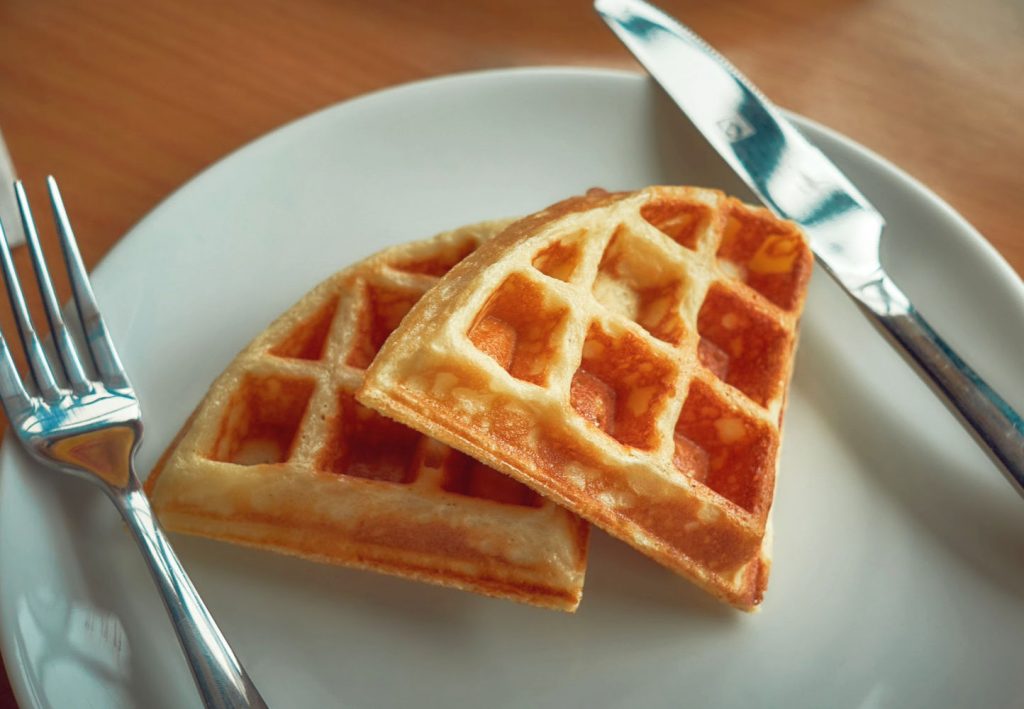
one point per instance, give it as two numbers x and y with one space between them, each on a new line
979 523
304 582
623 578
616 575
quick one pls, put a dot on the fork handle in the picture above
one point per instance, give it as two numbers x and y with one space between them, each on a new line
993 423
219 676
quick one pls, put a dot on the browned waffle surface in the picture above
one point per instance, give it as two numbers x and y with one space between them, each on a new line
280 456
627 355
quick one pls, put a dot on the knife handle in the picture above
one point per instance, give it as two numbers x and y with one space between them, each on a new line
997 428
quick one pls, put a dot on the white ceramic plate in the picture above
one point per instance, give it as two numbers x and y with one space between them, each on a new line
899 573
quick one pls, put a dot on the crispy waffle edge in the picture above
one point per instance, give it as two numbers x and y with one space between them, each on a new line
746 594
516 585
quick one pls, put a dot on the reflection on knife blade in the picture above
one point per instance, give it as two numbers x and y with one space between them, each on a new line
796 181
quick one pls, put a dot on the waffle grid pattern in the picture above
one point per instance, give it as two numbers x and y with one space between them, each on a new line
287 410
666 320
265 420
651 317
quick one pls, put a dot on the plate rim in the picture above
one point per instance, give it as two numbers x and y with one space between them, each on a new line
993 261
986 248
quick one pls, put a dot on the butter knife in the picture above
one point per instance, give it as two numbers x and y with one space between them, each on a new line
796 181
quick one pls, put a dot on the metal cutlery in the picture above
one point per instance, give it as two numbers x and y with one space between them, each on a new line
90 426
796 181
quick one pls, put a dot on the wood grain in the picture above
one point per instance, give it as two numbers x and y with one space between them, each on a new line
124 100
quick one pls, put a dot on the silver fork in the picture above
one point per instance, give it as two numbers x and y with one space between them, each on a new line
91 427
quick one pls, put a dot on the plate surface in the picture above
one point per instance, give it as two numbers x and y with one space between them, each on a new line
899 550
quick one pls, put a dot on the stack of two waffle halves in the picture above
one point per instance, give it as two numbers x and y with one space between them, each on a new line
452 410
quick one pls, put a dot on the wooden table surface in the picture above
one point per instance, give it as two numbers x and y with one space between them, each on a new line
125 100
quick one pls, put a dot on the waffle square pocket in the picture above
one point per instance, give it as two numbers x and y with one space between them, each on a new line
279 455
628 356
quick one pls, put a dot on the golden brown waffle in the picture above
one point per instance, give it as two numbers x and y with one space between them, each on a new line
280 456
627 355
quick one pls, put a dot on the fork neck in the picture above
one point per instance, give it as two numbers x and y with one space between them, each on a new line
105 452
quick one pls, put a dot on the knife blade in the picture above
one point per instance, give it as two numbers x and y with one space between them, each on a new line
797 181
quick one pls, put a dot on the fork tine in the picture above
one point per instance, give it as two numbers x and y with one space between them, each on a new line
39 367
12 392
66 352
101 347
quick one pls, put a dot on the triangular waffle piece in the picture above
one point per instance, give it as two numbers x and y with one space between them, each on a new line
280 456
627 355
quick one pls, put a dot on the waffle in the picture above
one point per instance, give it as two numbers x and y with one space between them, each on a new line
628 356
279 455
